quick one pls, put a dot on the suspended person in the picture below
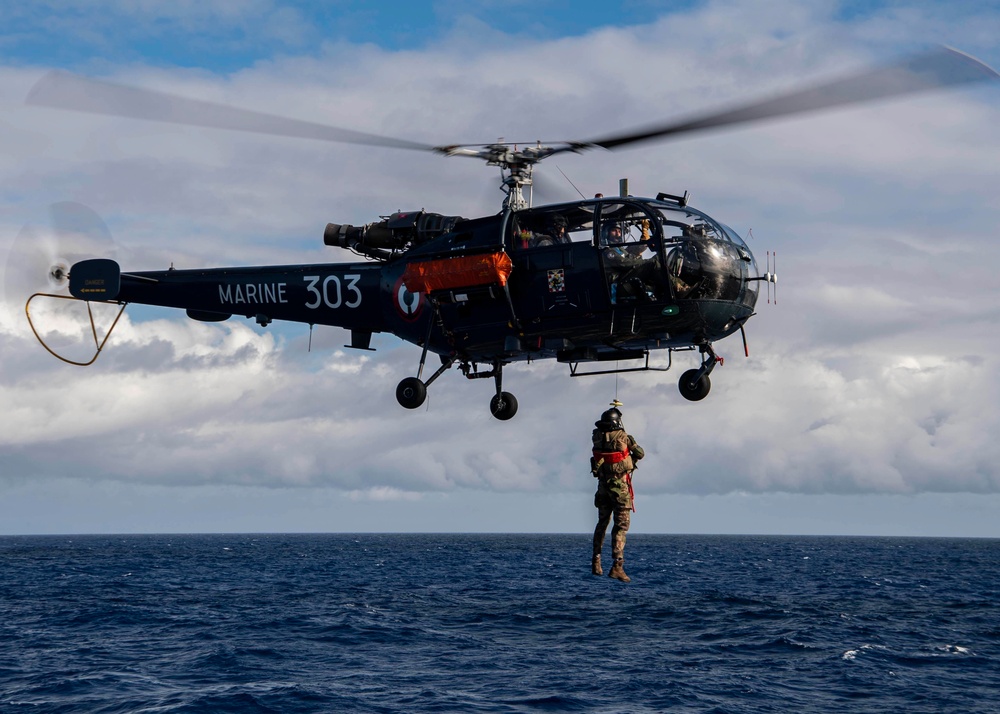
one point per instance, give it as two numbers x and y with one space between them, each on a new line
615 454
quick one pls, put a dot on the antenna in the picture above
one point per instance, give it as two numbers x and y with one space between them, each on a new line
771 275
571 183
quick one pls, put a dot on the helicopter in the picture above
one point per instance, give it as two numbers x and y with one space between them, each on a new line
588 282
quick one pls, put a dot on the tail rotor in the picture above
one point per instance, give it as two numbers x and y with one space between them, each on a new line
40 257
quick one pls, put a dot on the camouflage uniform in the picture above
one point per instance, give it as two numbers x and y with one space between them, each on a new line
615 454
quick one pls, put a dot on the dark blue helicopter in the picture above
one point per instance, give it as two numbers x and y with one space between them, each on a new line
590 282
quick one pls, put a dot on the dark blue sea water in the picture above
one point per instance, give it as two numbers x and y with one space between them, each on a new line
497 623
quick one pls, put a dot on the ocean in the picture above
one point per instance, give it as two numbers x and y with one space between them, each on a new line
497 623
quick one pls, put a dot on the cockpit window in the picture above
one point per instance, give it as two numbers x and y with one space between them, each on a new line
691 223
680 224
626 228
733 235
628 238
705 259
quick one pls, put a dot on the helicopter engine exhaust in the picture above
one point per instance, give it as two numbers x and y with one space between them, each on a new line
398 232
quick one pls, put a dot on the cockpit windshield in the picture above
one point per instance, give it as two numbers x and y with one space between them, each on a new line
683 223
705 258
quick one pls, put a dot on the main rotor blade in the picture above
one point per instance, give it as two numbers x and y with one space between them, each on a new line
942 67
64 90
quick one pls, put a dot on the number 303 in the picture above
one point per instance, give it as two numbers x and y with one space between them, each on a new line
333 297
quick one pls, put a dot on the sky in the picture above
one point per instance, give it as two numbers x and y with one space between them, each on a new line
867 405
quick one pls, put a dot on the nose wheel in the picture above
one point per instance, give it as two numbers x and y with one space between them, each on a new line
503 406
411 393
694 384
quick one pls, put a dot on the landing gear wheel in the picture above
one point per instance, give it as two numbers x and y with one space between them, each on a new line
692 388
503 406
411 393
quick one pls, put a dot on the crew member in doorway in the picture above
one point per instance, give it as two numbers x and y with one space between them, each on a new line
614 458
555 232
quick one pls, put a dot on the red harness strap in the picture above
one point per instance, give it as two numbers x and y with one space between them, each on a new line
611 457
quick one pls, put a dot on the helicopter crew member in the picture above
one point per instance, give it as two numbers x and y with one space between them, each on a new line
620 252
631 273
555 233
615 454
559 225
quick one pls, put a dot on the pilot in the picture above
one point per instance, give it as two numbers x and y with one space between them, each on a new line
631 273
611 235
613 460
617 250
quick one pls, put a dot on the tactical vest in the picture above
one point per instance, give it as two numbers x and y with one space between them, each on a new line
611 455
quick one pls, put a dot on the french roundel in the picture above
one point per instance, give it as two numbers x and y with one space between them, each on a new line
408 305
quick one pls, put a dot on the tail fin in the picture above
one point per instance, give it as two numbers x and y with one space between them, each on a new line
95 279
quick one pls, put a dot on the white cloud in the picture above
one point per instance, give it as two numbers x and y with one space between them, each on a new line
875 373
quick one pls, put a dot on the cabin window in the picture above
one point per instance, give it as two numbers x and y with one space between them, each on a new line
541 228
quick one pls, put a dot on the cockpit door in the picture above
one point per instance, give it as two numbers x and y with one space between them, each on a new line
628 239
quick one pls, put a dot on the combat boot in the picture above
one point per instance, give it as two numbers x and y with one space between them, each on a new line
595 565
618 571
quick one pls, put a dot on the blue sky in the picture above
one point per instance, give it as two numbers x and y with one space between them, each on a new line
226 36
222 36
868 403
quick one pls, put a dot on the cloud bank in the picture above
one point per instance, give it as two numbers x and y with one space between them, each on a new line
876 373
